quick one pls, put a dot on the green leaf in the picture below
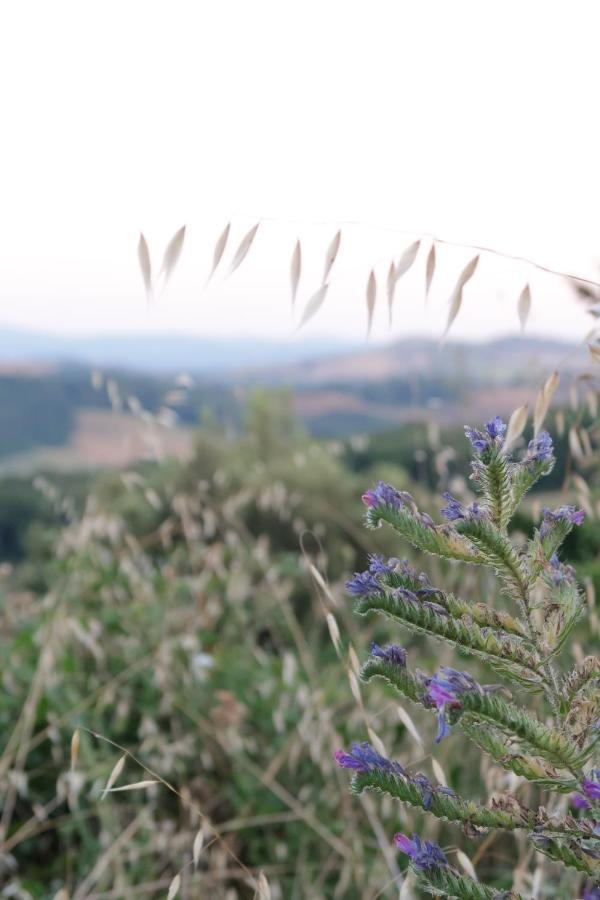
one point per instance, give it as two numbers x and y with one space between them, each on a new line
586 674
402 679
438 540
497 551
446 882
444 805
484 616
533 768
493 475
568 852
542 548
513 721
504 653
525 475
562 608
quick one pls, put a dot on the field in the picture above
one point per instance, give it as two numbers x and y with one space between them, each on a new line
186 614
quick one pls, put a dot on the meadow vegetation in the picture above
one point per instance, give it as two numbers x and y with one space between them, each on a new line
186 626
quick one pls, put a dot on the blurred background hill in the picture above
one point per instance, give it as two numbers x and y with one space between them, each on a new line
55 393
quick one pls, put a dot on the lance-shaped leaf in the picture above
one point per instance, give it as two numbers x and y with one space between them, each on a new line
524 306
438 540
497 551
172 254
503 653
536 737
456 297
145 265
562 607
429 270
313 305
219 250
441 802
331 255
371 298
493 475
525 475
543 546
533 768
585 676
244 247
410 685
446 882
568 852
483 615
295 271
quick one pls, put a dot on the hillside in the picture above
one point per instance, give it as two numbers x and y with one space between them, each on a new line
48 406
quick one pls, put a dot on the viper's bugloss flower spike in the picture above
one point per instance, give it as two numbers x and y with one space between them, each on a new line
456 510
496 428
444 690
383 495
566 513
392 653
579 802
379 566
424 855
540 448
364 758
478 439
591 785
494 433
552 756
559 573
363 583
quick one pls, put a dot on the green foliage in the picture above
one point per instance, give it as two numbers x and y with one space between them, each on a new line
523 649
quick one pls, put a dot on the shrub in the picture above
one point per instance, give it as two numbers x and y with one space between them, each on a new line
554 750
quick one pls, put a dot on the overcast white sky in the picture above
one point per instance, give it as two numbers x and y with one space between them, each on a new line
475 121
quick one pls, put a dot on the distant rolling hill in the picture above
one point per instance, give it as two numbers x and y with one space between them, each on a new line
46 404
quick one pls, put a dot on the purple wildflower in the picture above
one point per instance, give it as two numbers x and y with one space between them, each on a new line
383 495
426 520
559 573
391 654
364 758
496 428
478 439
444 690
456 510
435 607
592 892
482 440
425 788
578 801
363 583
379 566
407 595
423 854
540 448
591 785
565 513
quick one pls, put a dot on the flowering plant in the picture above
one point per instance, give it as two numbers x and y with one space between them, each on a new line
555 750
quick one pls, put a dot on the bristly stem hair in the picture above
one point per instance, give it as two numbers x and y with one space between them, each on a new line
521 643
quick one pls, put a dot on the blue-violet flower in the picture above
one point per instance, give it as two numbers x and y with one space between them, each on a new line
424 855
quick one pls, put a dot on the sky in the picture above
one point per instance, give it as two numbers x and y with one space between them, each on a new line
474 122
